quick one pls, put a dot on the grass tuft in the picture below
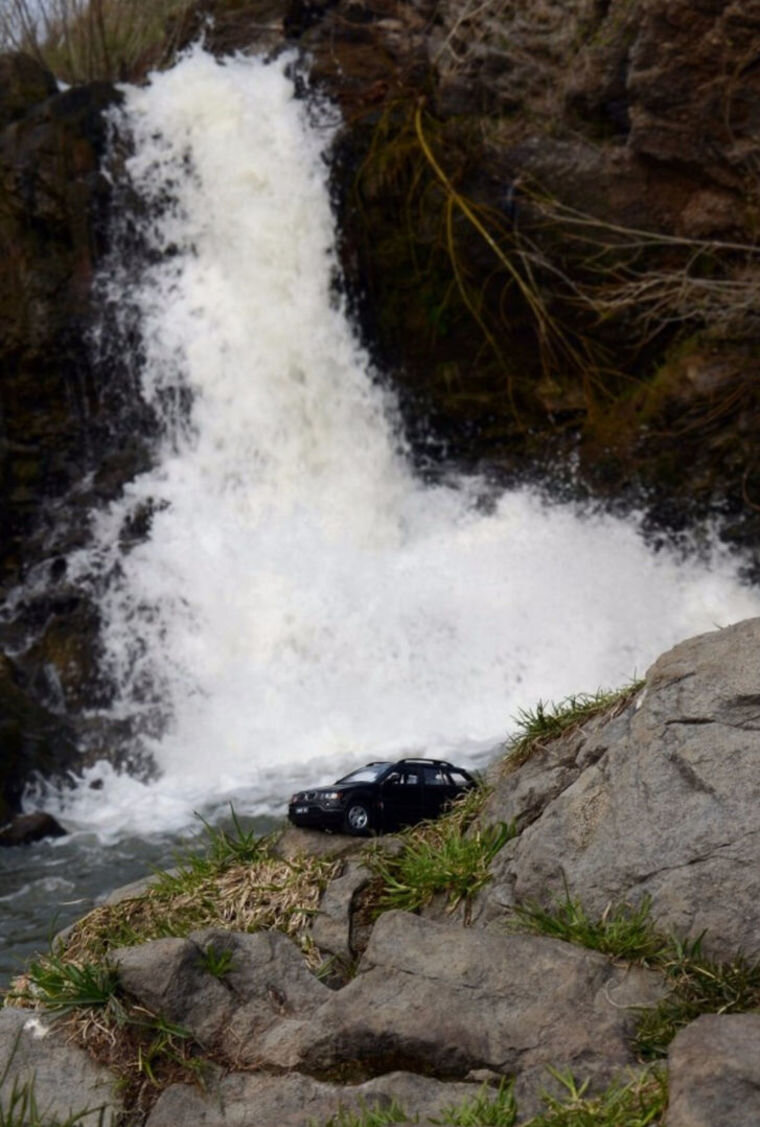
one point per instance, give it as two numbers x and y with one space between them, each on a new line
60 985
492 1107
697 985
536 727
623 931
439 857
640 1103
368 1117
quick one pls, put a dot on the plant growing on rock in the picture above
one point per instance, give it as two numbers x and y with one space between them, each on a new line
640 1103
697 985
624 931
492 1107
536 727
437 857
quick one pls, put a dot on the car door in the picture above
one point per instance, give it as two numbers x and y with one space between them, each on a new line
438 789
402 798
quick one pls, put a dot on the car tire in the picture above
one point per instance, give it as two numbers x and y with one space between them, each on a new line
358 820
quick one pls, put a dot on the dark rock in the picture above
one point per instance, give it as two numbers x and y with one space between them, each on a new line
26 828
714 1072
23 83
35 741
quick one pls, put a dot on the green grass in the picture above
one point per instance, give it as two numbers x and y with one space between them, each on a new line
538 726
491 1107
216 962
623 931
697 985
640 1103
438 857
368 1117
59 985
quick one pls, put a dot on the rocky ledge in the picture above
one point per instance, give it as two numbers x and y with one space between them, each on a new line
611 943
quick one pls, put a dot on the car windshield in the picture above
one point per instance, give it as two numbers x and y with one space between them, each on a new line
367 774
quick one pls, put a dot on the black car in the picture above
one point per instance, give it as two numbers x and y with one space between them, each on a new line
381 796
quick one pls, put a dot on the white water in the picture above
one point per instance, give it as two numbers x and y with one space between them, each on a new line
304 602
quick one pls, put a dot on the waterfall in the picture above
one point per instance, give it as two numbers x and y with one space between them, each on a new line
303 601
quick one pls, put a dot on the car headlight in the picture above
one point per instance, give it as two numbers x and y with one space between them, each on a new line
332 797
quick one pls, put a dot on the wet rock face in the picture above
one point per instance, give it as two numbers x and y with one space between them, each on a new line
53 206
34 741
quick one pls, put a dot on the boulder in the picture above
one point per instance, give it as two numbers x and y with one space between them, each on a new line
60 1080
26 828
662 801
226 988
442 1000
245 1099
714 1072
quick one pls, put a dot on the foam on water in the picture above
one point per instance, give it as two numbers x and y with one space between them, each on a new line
303 601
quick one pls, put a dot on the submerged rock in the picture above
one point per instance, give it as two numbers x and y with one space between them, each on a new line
26 828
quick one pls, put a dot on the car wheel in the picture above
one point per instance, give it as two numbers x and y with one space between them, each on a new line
358 820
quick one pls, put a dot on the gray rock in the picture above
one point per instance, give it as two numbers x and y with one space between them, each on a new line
258 1100
714 1072
663 801
444 1000
331 927
61 1079
295 842
262 981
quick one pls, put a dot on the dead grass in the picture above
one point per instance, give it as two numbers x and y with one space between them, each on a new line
84 40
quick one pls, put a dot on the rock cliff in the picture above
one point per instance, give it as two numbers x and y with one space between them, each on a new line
617 929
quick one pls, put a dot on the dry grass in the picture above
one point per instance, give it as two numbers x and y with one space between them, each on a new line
83 40
269 894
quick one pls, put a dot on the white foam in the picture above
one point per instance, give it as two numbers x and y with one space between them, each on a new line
303 601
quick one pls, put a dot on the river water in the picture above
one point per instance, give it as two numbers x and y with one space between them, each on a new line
304 602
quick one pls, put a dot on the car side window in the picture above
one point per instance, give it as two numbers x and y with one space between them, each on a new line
458 778
435 777
411 778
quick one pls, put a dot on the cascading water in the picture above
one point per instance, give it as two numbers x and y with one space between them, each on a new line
303 601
